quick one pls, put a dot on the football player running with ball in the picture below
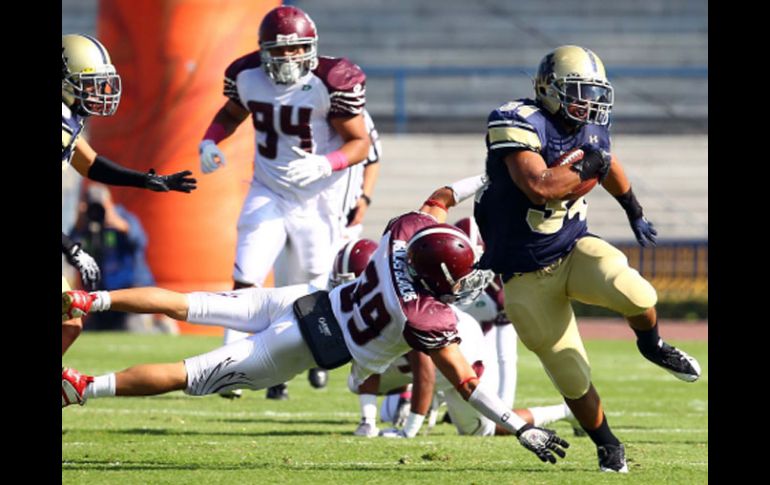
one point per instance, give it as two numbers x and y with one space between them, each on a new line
536 235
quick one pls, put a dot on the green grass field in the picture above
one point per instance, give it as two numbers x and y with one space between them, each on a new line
308 439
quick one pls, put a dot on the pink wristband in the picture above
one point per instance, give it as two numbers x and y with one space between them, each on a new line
215 133
337 160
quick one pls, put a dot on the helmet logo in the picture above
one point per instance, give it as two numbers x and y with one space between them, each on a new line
286 37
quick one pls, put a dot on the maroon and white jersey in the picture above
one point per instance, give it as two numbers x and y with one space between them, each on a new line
295 115
382 315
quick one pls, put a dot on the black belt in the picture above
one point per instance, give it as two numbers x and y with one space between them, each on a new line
321 331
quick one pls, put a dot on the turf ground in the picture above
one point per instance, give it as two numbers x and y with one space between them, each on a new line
308 439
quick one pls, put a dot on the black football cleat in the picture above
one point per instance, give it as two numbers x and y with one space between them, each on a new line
612 458
675 361
278 392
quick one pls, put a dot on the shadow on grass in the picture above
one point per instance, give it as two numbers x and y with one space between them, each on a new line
174 432
668 442
122 466
285 421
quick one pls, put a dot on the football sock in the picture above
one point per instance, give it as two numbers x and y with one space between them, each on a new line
368 404
102 302
647 340
543 415
602 435
103 386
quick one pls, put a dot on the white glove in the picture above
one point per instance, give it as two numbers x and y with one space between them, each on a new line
308 168
211 156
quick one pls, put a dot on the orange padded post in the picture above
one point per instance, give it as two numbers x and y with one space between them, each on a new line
171 55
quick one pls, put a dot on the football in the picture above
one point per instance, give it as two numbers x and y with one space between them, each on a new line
568 158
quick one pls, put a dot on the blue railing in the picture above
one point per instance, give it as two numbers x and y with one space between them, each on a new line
401 74
686 258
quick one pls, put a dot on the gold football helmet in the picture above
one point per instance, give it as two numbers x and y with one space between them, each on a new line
90 85
571 80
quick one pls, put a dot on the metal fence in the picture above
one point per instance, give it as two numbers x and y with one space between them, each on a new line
401 75
677 269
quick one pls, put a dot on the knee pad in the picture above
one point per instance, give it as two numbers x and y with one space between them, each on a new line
569 371
639 294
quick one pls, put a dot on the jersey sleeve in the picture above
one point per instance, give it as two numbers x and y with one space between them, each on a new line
71 125
512 127
346 83
249 61
402 228
430 325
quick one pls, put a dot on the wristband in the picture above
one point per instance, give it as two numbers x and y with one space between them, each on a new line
435 203
337 160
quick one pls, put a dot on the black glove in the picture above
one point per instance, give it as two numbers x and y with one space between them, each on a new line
86 265
542 442
595 163
180 181
644 231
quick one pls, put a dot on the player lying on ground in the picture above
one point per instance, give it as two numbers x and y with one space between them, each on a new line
400 302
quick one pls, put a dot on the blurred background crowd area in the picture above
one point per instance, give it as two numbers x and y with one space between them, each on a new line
435 69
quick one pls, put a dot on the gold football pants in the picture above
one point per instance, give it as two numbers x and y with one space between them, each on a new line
538 304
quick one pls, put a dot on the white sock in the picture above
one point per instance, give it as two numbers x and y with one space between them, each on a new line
368 403
103 386
543 415
507 355
102 302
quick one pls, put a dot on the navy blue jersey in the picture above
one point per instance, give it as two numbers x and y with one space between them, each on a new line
521 236
71 126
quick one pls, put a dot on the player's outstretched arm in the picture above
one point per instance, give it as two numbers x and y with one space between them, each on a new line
544 443
441 200
101 169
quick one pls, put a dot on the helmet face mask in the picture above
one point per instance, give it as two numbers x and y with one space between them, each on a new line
585 101
471 286
289 69
571 81
287 27
90 83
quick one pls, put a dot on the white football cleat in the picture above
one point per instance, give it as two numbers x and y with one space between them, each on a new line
368 430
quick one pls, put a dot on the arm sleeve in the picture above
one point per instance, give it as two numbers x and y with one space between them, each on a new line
106 171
